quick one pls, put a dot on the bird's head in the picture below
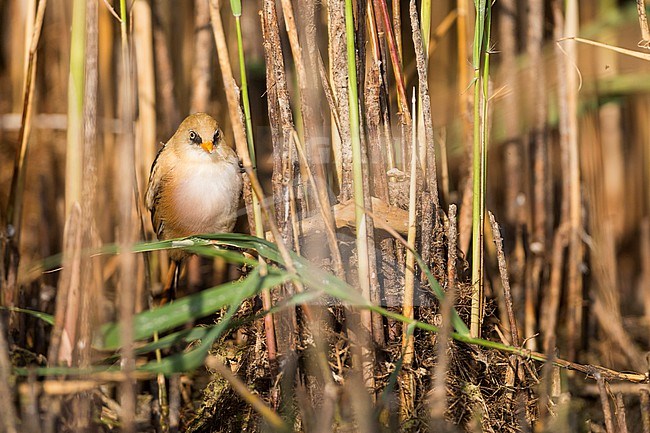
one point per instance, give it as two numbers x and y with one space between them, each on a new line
200 138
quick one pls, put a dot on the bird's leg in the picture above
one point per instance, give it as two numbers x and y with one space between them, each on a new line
173 276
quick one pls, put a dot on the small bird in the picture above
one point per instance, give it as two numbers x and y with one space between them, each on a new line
194 186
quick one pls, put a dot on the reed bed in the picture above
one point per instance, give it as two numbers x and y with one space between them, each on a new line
445 223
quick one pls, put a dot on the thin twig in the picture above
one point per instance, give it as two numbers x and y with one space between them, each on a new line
604 401
503 271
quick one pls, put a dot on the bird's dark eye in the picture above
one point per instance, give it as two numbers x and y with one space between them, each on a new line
217 136
195 138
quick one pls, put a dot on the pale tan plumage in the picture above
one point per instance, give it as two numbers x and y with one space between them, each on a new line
195 183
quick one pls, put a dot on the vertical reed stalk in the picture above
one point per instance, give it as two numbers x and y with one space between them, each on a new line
481 85
576 249
126 231
359 201
407 391
74 153
439 394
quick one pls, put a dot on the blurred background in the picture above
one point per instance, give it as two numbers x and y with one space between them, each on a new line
567 180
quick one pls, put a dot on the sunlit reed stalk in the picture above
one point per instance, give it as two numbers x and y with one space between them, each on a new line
126 231
576 248
425 29
408 393
481 45
74 153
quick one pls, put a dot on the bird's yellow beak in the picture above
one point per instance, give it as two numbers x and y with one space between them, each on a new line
208 146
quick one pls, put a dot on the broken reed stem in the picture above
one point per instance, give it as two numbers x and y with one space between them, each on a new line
643 23
503 272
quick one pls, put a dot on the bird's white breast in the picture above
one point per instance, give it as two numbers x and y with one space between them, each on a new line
206 194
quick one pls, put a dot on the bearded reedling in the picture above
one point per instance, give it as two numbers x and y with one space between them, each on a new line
194 187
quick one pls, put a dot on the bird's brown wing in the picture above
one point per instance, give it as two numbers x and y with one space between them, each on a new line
152 196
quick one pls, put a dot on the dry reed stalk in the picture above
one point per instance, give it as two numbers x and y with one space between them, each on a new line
393 48
90 272
604 401
425 107
281 123
620 413
21 40
341 141
9 420
379 143
550 307
503 272
576 248
407 382
146 124
551 301
438 397
397 29
611 135
538 102
644 397
14 210
540 192
74 146
645 265
126 231
464 112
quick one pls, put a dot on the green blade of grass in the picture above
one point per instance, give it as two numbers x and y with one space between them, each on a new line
190 308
